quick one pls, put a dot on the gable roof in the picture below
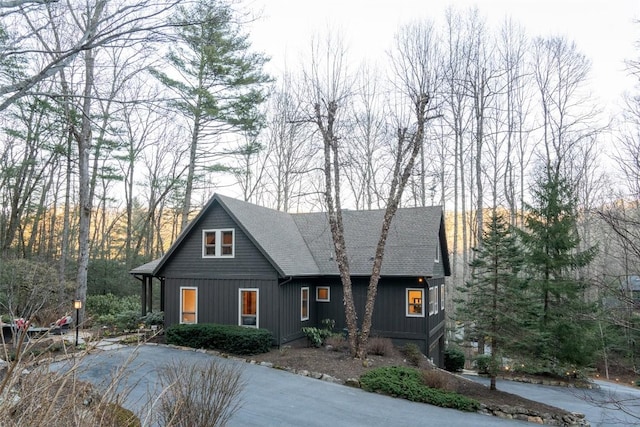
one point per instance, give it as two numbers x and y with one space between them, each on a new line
301 244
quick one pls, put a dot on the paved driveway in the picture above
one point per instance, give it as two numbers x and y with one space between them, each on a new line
595 403
273 397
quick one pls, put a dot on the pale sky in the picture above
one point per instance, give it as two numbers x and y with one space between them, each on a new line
604 30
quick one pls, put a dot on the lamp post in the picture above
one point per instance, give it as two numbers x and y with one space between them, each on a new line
77 304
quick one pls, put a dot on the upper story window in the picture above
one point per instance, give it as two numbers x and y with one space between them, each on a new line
218 243
437 259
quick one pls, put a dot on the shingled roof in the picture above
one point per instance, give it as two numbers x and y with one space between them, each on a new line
301 244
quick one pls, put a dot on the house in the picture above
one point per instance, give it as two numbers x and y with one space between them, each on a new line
239 263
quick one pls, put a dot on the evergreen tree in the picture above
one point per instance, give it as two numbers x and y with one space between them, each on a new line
495 293
219 83
560 331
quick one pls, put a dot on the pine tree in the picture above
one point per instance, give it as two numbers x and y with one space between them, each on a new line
218 82
494 294
560 333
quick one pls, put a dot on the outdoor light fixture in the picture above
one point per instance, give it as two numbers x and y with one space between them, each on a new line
77 304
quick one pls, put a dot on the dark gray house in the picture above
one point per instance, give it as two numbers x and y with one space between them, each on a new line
238 263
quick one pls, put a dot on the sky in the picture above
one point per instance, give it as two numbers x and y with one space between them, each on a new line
604 30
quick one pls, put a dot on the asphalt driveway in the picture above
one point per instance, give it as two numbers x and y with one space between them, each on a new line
271 397
276 398
597 404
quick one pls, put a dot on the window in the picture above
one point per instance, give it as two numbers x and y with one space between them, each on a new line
218 243
248 308
304 304
442 297
437 259
323 294
188 305
433 300
414 302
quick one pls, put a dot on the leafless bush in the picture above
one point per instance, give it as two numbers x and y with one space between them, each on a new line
336 342
202 395
380 346
436 378
33 395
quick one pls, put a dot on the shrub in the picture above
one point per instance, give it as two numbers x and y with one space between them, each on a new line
412 353
380 346
316 336
198 395
453 359
483 363
230 338
109 304
407 383
435 378
154 318
129 319
337 342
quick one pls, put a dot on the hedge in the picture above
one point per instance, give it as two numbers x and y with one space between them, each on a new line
228 338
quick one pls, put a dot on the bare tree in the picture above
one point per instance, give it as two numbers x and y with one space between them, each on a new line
291 155
110 23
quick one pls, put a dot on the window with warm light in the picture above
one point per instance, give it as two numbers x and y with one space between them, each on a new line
188 305
249 308
323 294
304 304
414 303
218 243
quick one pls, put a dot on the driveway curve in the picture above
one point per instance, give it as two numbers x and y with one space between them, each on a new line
271 397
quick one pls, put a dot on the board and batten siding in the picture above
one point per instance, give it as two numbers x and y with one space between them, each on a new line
290 316
389 314
187 260
219 301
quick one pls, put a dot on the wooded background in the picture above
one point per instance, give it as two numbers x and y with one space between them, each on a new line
119 119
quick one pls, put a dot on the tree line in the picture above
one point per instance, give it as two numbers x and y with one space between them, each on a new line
119 119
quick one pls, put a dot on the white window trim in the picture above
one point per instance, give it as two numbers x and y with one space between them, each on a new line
219 232
406 304
257 291
442 297
328 298
180 308
433 303
306 288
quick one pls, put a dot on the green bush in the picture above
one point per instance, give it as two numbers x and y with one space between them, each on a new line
109 304
407 383
483 362
229 338
155 318
129 319
316 336
453 359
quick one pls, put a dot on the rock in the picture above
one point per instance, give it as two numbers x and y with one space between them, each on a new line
535 420
267 364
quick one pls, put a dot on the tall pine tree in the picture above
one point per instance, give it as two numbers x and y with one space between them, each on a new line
494 295
560 331
217 81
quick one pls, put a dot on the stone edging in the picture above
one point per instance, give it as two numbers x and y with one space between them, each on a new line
500 411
